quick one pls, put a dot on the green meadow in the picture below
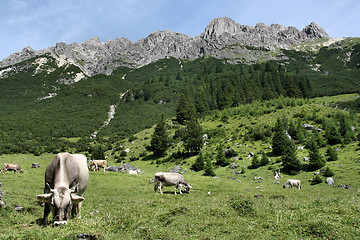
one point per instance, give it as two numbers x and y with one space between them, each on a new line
229 206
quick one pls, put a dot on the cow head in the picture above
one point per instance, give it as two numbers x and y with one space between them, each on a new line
186 186
60 200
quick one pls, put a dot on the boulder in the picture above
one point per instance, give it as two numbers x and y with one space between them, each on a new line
330 181
35 165
112 168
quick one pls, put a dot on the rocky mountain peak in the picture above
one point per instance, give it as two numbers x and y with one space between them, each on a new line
222 38
219 26
313 30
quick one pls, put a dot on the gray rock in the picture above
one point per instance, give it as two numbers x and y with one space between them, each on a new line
112 168
223 38
176 169
35 165
330 181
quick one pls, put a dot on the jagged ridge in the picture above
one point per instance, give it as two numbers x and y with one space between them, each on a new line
94 57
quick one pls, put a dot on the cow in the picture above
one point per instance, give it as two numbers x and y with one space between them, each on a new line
66 178
134 172
97 164
170 179
12 167
292 183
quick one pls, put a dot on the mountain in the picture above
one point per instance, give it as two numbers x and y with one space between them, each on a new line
222 38
72 95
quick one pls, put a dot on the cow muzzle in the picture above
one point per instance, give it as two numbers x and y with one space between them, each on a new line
59 223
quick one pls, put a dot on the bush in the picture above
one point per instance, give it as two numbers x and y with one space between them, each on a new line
317 179
328 172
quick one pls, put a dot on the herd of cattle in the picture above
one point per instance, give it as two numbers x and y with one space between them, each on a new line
67 176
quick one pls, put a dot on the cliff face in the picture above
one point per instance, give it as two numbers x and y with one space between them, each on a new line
222 38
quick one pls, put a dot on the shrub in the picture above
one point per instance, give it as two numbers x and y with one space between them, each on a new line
328 172
317 179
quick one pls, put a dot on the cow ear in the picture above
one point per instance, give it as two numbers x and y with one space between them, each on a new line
76 198
44 197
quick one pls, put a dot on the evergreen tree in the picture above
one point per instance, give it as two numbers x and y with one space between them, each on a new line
186 109
255 162
193 139
315 159
160 140
331 154
289 160
332 134
199 163
220 157
264 159
208 169
280 138
97 152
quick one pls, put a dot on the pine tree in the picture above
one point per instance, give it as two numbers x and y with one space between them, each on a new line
289 160
331 154
315 159
255 162
220 157
160 140
186 109
208 169
280 138
199 163
193 138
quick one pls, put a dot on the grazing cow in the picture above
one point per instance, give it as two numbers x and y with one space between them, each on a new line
292 183
66 178
12 167
97 164
170 179
134 172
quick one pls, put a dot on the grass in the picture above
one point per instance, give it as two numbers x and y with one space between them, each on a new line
122 206
231 206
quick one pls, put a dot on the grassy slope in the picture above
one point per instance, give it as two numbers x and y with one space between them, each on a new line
123 206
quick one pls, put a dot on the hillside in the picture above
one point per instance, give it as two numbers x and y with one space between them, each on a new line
44 101
240 202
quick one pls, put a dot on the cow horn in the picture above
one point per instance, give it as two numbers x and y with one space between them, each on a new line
48 186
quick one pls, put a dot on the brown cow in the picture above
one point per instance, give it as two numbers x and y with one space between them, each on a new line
12 167
97 164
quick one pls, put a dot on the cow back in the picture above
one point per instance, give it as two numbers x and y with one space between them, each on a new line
69 170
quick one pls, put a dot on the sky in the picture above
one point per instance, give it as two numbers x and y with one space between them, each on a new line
43 23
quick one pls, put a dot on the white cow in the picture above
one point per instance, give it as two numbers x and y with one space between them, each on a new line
134 172
170 179
66 178
292 183
98 163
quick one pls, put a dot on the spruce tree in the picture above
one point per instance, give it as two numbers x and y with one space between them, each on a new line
315 159
220 157
199 163
331 154
280 138
193 139
186 110
289 160
208 169
160 140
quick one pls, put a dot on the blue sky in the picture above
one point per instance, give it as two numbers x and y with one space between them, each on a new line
43 23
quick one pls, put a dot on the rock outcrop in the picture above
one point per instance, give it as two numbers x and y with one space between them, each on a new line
222 38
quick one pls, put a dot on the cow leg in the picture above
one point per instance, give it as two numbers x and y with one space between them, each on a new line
79 210
160 188
46 214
